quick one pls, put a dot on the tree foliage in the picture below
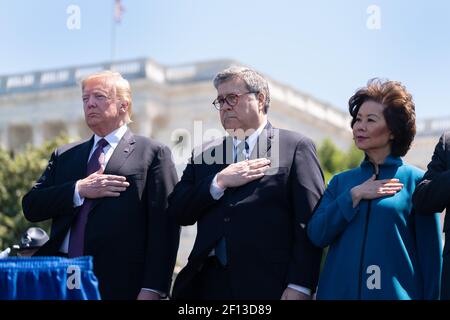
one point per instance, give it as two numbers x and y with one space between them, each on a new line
18 173
333 160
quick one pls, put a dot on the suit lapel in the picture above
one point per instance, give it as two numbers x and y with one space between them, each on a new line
228 146
263 143
79 168
260 150
222 154
121 153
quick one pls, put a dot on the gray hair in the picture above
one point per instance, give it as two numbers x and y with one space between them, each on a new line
252 79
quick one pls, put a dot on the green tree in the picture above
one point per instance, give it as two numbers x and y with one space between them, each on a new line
18 172
334 160
354 157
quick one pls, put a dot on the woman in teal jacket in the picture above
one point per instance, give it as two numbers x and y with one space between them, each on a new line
379 248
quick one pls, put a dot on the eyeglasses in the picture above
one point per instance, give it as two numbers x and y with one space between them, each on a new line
232 99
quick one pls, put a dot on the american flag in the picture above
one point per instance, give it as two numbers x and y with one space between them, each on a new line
119 9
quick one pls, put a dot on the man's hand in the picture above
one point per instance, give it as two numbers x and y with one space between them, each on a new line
240 173
99 185
148 295
292 294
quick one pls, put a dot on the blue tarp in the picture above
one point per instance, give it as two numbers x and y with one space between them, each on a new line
48 278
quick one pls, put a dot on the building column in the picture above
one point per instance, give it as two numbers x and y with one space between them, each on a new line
38 136
73 130
4 138
146 121
145 126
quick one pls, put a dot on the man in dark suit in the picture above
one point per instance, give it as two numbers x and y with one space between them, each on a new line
432 195
107 198
251 194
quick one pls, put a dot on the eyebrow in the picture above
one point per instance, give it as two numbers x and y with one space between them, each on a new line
96 91
226 94
369 115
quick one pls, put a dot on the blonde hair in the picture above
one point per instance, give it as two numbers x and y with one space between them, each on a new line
121 87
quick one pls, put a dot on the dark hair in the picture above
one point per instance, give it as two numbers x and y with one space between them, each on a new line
399 111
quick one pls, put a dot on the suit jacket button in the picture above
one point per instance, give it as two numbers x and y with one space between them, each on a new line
227 219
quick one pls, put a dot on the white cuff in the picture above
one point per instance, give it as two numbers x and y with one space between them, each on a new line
215 190
77 199
300 289
161 294
5 253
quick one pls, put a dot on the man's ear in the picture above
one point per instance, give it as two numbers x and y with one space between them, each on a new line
124 106
261 100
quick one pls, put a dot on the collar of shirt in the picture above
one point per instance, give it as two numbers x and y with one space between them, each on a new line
251 140
113 139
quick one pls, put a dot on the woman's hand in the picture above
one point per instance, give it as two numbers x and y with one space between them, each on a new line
373 189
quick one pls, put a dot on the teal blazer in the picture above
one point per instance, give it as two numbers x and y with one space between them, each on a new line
381 249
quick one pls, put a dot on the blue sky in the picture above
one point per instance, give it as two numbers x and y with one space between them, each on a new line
321 47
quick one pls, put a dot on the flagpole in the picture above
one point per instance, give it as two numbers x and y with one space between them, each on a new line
113 32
